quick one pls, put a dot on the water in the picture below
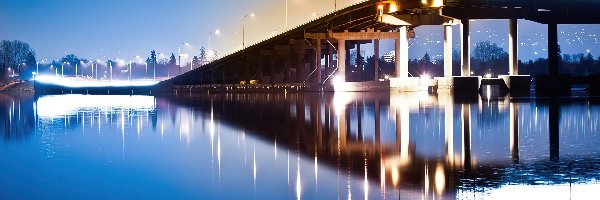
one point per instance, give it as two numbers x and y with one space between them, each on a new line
298 146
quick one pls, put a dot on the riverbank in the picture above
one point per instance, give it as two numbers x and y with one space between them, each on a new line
24 87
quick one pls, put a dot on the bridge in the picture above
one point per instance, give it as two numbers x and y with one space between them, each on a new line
315 56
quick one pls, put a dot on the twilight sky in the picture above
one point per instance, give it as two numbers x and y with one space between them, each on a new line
105 29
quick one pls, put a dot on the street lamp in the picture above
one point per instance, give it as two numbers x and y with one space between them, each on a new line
244 29
111 69
129 70
62 69
19 69
179 65
286 15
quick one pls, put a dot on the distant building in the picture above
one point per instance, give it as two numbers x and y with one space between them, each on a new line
389 57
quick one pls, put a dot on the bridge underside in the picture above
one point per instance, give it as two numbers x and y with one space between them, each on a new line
316 55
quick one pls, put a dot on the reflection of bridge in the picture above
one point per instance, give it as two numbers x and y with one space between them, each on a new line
332 129
306 57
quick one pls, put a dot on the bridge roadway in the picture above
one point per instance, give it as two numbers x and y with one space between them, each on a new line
293 60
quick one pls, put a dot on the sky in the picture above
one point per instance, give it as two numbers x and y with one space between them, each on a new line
108 29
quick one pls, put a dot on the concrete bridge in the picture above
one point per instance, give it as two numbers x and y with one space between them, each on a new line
293 60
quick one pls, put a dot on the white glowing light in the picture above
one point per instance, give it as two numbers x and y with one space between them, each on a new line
80 83
440 179
488 75
426 77
339 84
340 100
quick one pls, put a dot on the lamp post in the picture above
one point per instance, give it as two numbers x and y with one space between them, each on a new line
216 32
286 15
129 70
179 65
244 29
62 69
110 65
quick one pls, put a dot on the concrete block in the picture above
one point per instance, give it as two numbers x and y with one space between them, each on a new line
462 84
516 83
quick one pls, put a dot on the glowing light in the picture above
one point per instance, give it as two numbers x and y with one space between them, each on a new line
395 175
79 83
426 77
488 75
440 178
339 84
340 100
437 3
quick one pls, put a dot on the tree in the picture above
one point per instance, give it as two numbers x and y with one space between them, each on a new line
489 58
172 60
426 59
196 61
487 51
203 56
172 63
15 53
71 61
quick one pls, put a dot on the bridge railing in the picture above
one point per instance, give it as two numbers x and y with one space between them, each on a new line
500 3
520 3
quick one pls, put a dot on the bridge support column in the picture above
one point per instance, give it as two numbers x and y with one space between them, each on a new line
300 63
272 67
465 43
341 62
513 45
358 61
330 59
317 61
402 53
376 58
447 50
286 70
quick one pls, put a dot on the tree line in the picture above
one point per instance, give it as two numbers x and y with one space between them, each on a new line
486 58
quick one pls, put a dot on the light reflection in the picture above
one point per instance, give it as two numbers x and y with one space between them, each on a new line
60 105
398 161
254 164
298 182
440 179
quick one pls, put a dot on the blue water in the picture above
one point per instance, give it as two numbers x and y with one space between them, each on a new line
298 146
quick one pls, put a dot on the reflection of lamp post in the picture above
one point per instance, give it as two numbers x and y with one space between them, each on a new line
244 30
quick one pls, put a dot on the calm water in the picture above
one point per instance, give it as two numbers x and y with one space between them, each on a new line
309 146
